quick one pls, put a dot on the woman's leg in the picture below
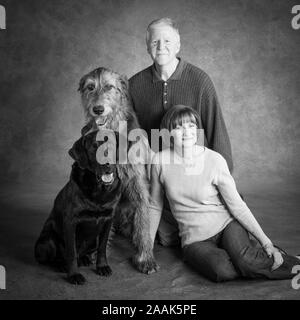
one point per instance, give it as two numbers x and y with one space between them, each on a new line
210 261
252 261
168 233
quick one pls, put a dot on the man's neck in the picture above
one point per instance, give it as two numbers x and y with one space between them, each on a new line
166 71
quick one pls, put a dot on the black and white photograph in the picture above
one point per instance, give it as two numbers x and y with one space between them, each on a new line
149 151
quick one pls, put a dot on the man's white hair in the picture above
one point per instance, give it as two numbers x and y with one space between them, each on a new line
164 21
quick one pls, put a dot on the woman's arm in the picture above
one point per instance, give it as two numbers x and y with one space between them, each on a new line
238 208
156 201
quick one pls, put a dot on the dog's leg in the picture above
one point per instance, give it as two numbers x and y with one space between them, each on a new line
102 267
139 197
45 251
86 242
48 248
73 276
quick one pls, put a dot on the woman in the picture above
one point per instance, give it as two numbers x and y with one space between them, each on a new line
214 222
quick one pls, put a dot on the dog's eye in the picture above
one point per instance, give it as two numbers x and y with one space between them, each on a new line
91 87
109 87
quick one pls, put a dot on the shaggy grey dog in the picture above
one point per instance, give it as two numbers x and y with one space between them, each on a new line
106 104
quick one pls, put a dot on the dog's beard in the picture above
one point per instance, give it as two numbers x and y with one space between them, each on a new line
101 121
106 122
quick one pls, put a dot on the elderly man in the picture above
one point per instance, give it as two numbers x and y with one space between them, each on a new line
169 81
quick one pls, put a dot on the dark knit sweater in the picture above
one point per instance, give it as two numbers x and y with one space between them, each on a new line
188 85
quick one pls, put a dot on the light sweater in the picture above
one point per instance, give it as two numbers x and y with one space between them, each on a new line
194 196
188 85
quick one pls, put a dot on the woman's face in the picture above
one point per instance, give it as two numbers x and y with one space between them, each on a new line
185 135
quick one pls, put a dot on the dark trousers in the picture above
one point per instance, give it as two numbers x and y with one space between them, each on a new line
231 254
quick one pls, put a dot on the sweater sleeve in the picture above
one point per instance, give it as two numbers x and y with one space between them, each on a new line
214 124
156 199
236 205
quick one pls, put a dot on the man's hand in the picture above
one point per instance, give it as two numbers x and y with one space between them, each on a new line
275 253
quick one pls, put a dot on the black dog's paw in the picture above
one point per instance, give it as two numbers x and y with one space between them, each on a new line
104 271
85 261
76 278
147 266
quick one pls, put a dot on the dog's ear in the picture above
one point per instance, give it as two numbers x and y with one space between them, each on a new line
87 128
124 82
124 87
81 83
79 154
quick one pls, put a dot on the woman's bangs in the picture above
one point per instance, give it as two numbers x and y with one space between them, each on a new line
181 118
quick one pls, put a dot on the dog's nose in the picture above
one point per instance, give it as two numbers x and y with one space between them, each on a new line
98 109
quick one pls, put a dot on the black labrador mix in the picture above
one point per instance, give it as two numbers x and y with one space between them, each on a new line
80 221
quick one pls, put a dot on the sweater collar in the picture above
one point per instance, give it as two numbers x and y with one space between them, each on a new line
176 74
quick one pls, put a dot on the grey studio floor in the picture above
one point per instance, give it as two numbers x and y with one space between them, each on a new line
24 209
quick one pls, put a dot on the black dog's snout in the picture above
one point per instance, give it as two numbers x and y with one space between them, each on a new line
98 109
108 168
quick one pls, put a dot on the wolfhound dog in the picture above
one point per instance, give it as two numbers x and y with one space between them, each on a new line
106 104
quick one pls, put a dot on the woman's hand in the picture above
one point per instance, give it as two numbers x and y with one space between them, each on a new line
275 253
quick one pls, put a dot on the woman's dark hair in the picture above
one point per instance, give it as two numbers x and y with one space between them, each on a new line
179 114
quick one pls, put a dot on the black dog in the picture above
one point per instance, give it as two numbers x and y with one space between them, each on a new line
81 219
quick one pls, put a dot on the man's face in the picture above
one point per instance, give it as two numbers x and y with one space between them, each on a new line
163 44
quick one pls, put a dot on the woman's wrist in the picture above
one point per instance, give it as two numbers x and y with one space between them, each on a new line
267 244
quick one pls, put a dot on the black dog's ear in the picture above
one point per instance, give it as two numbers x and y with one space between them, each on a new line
87 128
78 153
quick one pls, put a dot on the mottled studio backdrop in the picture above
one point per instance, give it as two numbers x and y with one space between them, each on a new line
247 47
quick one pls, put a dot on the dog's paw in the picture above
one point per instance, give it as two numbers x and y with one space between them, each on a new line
76 278
104 271
84 261
147 266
